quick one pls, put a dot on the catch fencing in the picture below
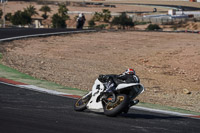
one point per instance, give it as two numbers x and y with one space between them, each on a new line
165 20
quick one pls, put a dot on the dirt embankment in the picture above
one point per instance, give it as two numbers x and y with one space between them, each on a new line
167 63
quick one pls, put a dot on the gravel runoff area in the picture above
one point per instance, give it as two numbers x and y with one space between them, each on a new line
167 63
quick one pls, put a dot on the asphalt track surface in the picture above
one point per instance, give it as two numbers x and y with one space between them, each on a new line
27 111
16 32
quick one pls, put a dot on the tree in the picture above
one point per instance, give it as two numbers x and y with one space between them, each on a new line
106 15
1 13
97 16
31 10
58 21
8 16
45 9
91 23
123 21
21 18
62 11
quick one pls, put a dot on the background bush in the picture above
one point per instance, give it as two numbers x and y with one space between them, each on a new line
21 18
153 27
123 21
91 23
1 13
58 21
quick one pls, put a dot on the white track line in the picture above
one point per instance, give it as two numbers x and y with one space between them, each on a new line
161 111
43 90
45 34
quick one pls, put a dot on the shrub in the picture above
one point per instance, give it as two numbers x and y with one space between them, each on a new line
102 26
106 15
1 13
58 21
8 16
123 21
21 18
153 27
97 16
62 11
91 23
103 16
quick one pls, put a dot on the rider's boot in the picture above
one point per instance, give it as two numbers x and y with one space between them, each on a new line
134 102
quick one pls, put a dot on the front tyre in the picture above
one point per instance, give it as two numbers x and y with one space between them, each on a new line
114 108
81 103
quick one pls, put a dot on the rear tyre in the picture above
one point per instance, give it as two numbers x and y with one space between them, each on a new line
81 103
115 108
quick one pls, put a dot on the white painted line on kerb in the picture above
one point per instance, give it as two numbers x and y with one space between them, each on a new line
45 34
38 89
35 88
161 111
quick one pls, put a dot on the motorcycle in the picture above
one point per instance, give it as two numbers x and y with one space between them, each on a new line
112 102
80 22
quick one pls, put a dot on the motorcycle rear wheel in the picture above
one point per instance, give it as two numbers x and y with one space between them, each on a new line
115 108
81 103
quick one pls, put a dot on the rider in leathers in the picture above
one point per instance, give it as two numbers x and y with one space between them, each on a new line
111 81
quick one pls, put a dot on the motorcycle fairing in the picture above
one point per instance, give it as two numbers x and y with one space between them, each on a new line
139 88
98 87
93 104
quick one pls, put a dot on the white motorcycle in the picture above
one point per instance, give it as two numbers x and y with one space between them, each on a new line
112 102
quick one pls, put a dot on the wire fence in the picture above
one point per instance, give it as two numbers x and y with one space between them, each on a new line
164 20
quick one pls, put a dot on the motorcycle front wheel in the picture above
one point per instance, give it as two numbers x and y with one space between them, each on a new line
81 103
114 108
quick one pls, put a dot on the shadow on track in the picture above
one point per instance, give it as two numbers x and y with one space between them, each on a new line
149 116
144 115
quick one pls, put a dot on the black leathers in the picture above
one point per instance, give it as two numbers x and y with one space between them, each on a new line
117 79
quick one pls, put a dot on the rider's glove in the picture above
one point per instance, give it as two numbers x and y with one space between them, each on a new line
103 78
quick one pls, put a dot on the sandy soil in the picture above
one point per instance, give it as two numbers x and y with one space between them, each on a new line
167 63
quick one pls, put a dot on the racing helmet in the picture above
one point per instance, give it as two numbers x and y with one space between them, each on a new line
80 15
129 71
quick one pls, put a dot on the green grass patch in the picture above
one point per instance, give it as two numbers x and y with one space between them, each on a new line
7 71
1 56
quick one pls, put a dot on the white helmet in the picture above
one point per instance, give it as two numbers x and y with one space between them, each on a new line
80 15
129 71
